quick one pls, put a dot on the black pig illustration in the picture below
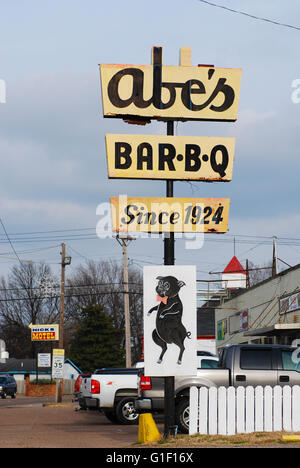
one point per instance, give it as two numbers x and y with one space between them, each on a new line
169 327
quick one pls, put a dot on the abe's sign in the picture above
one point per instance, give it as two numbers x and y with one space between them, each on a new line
155 215
170 157
170 92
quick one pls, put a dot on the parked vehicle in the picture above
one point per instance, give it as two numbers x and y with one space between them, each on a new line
77 385
8 386
112 391
239 365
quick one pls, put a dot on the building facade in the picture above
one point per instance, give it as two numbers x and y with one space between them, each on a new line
268 312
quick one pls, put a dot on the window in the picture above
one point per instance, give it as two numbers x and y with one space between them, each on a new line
234 323
289 362
209 364
260 359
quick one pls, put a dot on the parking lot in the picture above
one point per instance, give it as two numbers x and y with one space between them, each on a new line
26 423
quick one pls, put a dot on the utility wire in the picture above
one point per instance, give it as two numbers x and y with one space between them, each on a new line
267 20
10 241
71 286
73 230
71 295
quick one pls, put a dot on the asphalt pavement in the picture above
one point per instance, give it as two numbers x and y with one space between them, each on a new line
37 422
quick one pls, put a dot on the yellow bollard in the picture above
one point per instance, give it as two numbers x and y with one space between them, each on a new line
148 431
291 438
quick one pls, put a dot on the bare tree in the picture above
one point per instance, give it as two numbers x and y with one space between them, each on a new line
101 283
259 273
21 303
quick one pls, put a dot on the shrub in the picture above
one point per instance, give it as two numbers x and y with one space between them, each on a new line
43 382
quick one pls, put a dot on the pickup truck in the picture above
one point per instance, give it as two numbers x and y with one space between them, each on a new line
112 391
239 365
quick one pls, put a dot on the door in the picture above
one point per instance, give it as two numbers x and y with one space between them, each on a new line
86 387
255 367
289 367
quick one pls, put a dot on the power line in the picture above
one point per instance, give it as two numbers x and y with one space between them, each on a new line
10 241
52 231
72 286
71 295
267 20
94 235
38 249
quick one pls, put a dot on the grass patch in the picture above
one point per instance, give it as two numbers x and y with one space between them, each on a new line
255 439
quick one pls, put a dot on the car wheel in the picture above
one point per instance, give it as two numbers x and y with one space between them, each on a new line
125 411
183 415
13 395
3 396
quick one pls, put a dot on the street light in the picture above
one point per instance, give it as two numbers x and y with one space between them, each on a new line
67 261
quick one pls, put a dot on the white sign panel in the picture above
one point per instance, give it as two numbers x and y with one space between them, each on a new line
58 363
289 303
44 360
170 317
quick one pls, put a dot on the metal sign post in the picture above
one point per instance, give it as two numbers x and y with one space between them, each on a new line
169 259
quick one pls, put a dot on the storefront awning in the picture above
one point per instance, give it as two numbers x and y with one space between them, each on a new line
278 329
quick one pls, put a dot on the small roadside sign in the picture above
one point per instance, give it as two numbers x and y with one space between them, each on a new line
44 332
44 360
58 363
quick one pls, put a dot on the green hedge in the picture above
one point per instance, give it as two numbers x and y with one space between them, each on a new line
43 382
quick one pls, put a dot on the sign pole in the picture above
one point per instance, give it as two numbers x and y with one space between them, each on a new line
169 396
205 160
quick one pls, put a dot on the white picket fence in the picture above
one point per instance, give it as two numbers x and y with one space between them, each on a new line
240 410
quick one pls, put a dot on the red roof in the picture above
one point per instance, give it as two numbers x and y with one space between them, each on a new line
234 266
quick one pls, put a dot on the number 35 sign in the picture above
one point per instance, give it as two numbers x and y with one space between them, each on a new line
58 363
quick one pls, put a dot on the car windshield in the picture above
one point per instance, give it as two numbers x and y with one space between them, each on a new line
2 380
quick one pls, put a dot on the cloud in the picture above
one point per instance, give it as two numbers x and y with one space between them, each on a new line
32 212
250 117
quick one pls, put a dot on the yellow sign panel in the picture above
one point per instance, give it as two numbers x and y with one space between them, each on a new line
170 92
58 352
155 215
44 332
170 157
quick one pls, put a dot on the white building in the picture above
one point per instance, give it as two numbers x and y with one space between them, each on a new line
268 312
3 353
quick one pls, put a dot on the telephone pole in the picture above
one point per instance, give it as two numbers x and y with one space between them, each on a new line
64 261
274 260
124 241
62 297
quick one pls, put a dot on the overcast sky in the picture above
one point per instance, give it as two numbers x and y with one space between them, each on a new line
53 171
